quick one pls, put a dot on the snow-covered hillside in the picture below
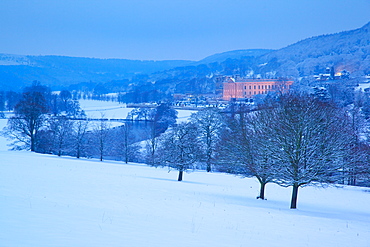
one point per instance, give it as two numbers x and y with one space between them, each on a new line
61 201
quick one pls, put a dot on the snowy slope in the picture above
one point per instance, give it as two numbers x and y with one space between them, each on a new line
61 201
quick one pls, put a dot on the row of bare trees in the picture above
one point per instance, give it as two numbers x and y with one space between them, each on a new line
35 109
294 140
55 124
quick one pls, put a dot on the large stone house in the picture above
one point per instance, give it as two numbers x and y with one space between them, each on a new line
247 88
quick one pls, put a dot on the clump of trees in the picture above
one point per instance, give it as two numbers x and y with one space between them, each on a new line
243 146
29 116
157 120
209 124
41 120
51 123
293 140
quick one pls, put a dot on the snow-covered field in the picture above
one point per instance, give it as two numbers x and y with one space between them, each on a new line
114 110
62 201
107 109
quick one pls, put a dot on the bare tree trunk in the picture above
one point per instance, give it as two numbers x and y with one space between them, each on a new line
262 191
32 139
180 175
80 131
126 142
60 145
102 131
293 204
78 153
32 143
209 166
209 150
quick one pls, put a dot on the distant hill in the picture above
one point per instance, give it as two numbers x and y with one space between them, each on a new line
237 54
349 50
16 71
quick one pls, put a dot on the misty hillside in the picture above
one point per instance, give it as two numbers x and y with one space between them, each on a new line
349 50
17 71
238 54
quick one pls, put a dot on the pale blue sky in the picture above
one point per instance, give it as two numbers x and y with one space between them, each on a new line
168 29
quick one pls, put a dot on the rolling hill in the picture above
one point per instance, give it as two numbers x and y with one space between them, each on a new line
347 50
16 71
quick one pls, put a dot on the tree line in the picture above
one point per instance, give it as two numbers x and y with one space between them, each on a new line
293 139
55 124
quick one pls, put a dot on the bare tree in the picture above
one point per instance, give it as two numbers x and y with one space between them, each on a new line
61 129
80 128
158 119
151 145
29 117
179 148
124 143
308 141
259 162
209 124
356 167
101 135
243 149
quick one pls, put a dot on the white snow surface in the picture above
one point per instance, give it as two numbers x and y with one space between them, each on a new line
52 201
105 109
114 110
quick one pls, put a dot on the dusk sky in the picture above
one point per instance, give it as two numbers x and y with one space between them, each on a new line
168 29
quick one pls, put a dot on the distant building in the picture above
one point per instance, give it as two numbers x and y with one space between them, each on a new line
331 75
247 88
